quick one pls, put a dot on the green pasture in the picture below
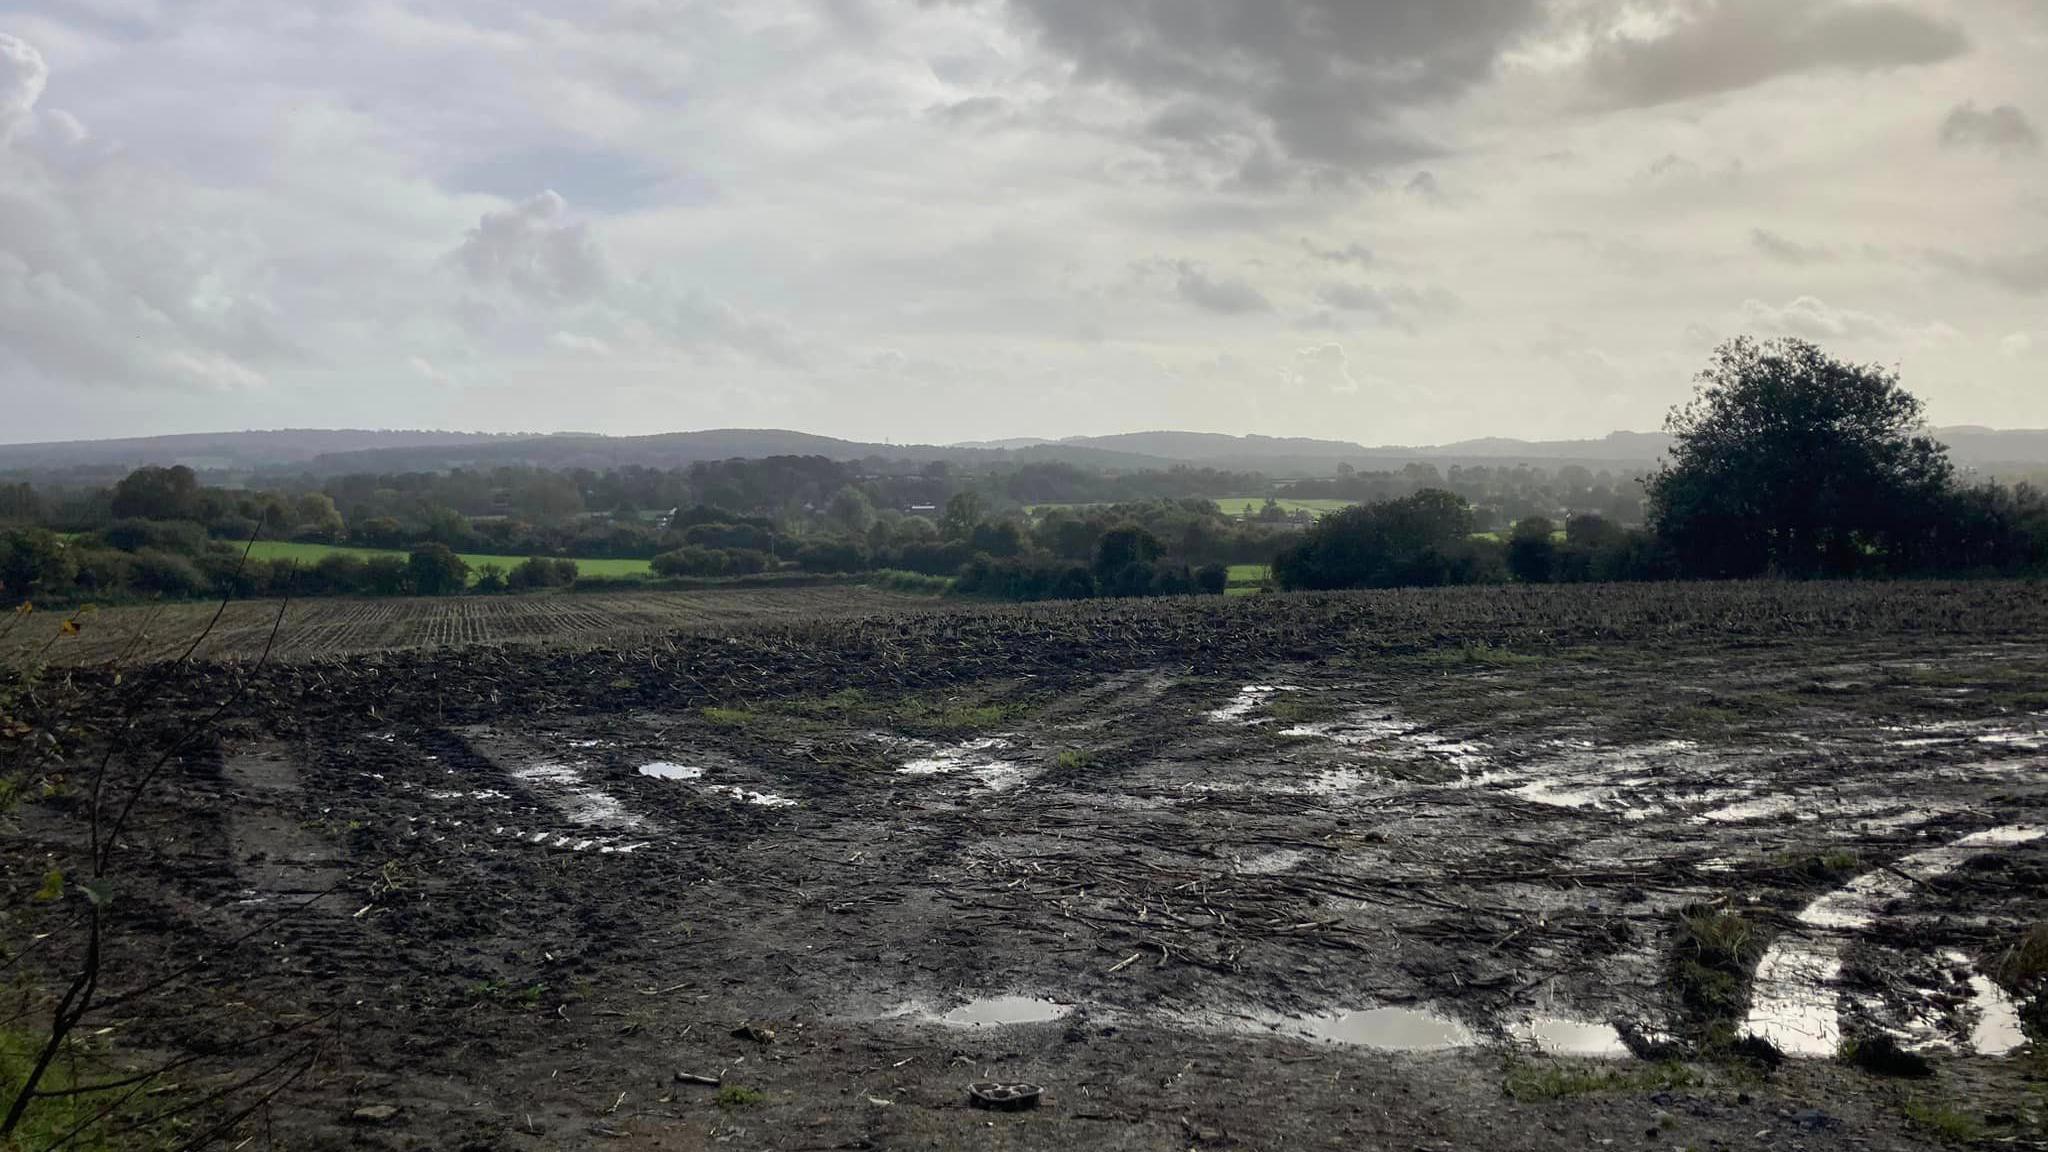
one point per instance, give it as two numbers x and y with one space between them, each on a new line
309 554
1251 505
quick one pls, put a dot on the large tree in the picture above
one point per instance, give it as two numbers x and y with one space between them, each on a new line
1787 460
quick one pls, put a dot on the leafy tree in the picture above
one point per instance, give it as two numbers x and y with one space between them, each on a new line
1122 547
158 494
1788 460
385 575
963 513
490 578
1423 539
1532 555
850 511
317 518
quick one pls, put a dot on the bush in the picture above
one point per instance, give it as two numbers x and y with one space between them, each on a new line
541 572
1532 554
435 570
181 536
335 574
33 562
385 575
101 571
165 574
833 556
1212 579
490 578
1420 540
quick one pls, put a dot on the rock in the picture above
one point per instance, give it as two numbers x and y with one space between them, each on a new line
373 1114
1881 1055
754 1032
1814 1120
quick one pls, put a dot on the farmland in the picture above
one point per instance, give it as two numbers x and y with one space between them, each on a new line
1405 868
309 554
1250 505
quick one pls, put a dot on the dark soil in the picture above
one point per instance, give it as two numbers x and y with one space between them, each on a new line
438 883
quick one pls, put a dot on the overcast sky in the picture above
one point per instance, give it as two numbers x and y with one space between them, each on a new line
1394 221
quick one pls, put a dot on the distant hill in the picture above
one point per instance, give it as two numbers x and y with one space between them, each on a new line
221 451
329 453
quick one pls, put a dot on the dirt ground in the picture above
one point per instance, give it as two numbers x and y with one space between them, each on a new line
1404 871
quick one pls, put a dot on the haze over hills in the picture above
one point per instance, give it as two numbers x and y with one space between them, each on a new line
333 452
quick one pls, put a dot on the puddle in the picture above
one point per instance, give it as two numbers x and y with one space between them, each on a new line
1560 1036
1271 863
1997 1030
563 787
1387 1029
1248 698
982 759
1388 735
762 799
1794 1002
991 1012
663 770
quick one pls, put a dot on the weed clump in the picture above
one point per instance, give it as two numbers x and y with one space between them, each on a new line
733 1096
1531 1081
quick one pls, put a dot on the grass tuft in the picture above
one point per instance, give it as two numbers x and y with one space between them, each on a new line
1533 1081
735 1096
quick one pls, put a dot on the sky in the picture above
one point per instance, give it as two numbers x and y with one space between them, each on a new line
1393 222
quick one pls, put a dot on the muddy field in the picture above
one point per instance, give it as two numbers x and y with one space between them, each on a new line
1568 869
318 628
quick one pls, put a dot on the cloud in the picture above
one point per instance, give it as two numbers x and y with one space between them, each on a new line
1352 253
580 344
1326 81
2016 346
1228 295
1322 368
1398 305
2003 129
1787 251
22 78
2023 272
533 249
1704 47
1815 319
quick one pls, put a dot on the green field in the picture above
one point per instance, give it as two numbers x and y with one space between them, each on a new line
1250 505
1246 579
311 554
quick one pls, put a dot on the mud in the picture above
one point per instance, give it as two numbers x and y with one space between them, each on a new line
1279 881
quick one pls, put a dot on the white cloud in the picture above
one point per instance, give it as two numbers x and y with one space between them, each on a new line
2016 346
534 249
23 76
1816 320
1322 368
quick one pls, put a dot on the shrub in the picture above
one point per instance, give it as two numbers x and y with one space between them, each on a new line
336 574
435 570
490 578
541 572
34 562
181 536
165 574
384 575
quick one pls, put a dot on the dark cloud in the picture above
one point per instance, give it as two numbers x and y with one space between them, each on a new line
1788 251
1325 79
1724 45
2002 129
2023 272
1352 253
1228 295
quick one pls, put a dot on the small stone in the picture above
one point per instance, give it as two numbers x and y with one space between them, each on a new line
373 1114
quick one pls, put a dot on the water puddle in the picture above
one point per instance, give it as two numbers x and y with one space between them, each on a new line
563 787
1794 1001
1997 1030
748 796
1561 1036
990 1012
984 760
1386 1029
663 770
1271 863
1249 698
1390 736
